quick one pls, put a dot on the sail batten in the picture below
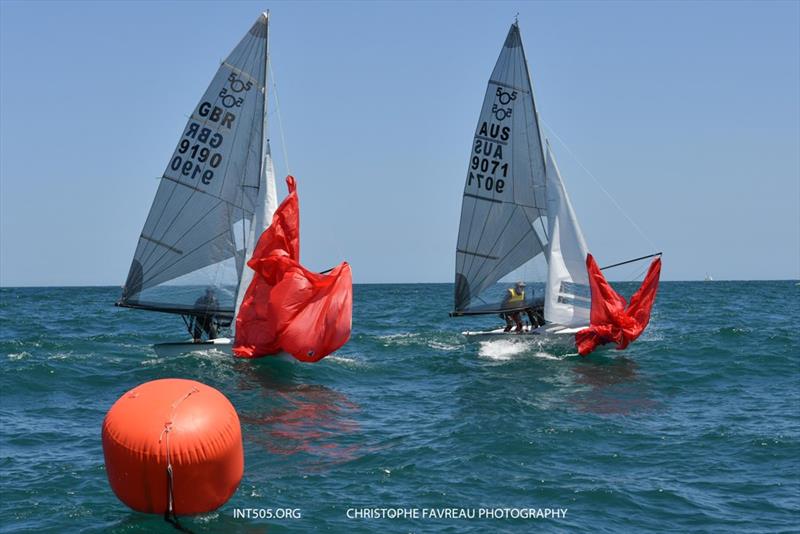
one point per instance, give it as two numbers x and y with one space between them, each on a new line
191 239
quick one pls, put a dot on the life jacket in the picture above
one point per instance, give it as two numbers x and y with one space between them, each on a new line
515 297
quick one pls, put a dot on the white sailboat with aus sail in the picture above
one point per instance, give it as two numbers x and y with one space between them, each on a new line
214 202
517 223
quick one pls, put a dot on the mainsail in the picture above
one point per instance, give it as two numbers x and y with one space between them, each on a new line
504 200
195 235
515 208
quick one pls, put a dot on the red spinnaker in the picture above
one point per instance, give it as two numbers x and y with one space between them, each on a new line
610 321
286 306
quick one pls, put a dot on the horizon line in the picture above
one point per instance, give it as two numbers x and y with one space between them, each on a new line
81 285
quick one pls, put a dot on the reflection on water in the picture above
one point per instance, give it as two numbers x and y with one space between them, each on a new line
290 417
615 386
602 372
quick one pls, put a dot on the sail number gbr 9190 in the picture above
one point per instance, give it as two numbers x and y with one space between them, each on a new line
195 156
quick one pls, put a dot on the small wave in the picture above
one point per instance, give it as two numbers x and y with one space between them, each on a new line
341 359
546 356
206 518
345 361
402 335
61 356
733 331
438 345
14 357
399 340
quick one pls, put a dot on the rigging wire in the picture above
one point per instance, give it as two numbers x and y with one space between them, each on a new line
283 137
280 120
603 189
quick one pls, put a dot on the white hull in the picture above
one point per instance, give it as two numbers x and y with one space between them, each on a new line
220 344
551 332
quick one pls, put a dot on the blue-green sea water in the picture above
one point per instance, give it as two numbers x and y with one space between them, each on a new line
694 428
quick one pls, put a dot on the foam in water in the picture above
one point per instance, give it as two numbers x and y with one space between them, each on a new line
501 349
507 349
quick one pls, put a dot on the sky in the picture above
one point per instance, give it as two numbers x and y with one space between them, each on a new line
686 113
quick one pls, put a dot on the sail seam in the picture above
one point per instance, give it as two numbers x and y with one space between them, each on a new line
470 195
509 86
198 190
508 221
195 249
490 273
498 141
477 254
161 243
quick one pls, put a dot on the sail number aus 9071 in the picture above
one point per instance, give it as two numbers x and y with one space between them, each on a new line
489 183
484 165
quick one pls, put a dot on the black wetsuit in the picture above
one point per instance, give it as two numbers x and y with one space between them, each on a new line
205 322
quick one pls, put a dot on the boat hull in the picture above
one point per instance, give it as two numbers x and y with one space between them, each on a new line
221 344
550 332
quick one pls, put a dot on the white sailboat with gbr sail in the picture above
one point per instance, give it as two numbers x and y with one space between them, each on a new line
215 200
517 222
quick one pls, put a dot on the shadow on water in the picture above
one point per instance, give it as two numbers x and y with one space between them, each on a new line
614 386
288 416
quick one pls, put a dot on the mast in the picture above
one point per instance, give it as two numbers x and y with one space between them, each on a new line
262 165
266 200
535 113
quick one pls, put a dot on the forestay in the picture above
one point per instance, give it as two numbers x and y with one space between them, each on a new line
504 200
194 236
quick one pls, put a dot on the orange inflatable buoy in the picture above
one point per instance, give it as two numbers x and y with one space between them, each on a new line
182 424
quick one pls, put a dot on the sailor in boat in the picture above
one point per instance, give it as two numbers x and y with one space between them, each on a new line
515 299
205 307
516 302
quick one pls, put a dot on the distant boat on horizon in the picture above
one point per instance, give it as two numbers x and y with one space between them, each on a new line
708 278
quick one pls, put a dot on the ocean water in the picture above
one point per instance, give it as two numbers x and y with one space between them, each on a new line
694 428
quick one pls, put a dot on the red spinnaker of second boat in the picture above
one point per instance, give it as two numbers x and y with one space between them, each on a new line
287 307
610 320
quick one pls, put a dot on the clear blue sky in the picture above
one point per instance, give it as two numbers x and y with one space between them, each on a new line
688 113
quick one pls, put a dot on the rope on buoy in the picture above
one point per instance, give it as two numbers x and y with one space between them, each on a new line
169 514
